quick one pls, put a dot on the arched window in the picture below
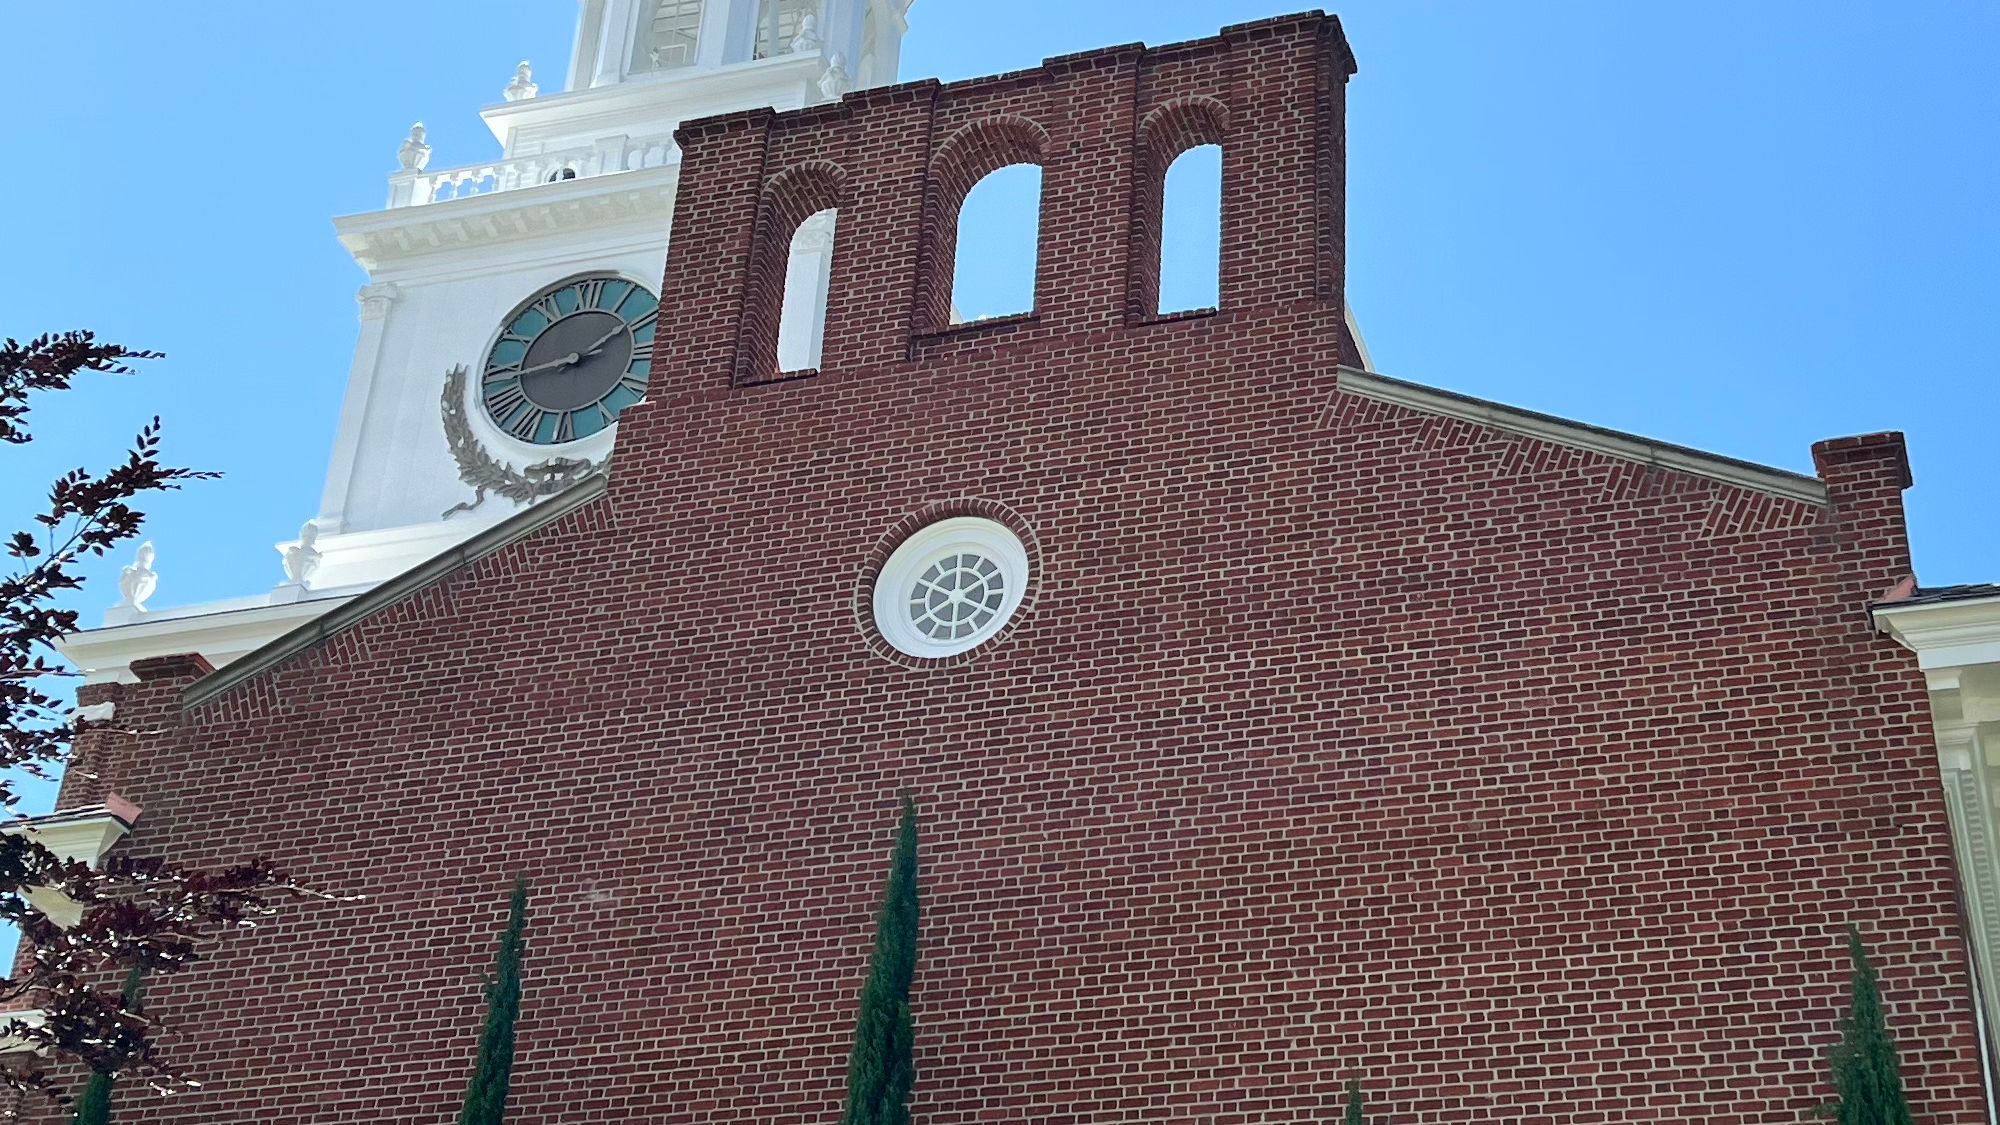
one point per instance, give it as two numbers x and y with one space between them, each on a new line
1176 251
982 219
999 230
1191 231
802 322
791 248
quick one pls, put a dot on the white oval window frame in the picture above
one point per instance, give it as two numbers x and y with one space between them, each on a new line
926 546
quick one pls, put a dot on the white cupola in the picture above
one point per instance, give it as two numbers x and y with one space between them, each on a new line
541 263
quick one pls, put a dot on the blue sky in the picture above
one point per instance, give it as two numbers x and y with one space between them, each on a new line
1741 227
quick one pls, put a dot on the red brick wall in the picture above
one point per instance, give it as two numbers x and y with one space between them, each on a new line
1529 784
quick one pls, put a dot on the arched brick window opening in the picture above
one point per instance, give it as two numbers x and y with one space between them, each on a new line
1194 127
999 237
789 199
802 320
1191 231
965 159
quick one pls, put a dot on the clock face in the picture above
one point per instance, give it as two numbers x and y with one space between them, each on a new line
570 358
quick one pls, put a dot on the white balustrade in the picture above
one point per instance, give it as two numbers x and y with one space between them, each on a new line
416 187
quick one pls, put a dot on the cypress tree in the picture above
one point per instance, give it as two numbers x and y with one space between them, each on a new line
93 1106
1867 1076
486 1094
881 1071
1353 1115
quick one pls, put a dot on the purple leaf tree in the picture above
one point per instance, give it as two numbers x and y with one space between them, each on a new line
147 915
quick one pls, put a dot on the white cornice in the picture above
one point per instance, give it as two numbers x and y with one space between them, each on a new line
106 655
401 235
221 631
15 1045
1952 634
82 835
1612 443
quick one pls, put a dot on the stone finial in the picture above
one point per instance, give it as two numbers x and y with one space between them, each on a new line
413 154
523 86
137 582
806 40
835 82
302 558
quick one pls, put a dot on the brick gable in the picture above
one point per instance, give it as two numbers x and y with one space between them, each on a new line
1530 782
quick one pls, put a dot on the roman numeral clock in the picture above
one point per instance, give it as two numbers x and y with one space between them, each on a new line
565 362
570 359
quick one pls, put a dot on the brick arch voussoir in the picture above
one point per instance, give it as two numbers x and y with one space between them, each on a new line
970 154
789 197
801 191
1179 125
976 150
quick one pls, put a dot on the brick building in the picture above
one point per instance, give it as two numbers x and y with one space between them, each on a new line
1272 721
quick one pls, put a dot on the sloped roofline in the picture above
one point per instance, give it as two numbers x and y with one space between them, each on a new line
432 570
1612 443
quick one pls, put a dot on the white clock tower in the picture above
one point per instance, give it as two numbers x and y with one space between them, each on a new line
508 312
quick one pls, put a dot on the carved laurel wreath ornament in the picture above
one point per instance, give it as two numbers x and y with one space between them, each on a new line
479 469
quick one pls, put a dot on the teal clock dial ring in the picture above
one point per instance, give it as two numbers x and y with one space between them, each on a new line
570 358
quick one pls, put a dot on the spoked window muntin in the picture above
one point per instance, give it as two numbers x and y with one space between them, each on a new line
950 587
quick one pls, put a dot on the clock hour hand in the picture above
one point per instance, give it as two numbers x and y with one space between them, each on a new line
559 361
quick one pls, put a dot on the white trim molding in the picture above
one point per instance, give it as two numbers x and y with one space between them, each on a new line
337 616
15 1045
220 632
1944 634
1955 634
81 835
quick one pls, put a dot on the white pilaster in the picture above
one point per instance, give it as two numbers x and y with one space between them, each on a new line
1969 801
608 155
728 31
614 41
583 48
840 30
375 301
881 48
